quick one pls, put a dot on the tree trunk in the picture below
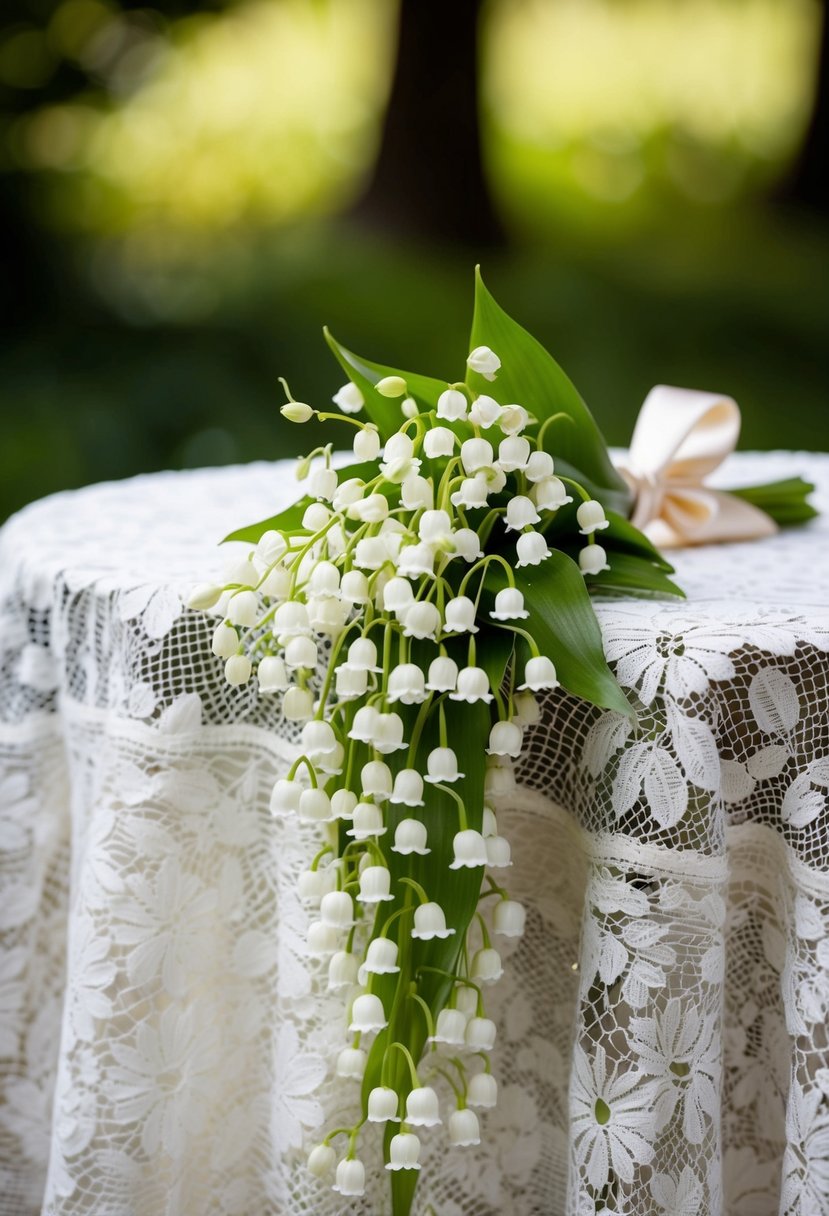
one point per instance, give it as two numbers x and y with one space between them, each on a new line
428 181
808 185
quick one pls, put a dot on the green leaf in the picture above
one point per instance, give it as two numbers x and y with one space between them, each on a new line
494 649
634 575
565 628
384 411
785 501
531 377
290 519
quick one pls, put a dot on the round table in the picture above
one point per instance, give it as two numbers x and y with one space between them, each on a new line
166 1044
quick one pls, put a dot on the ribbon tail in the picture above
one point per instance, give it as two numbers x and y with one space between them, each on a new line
701 516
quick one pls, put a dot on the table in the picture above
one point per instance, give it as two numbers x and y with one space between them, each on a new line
165 1045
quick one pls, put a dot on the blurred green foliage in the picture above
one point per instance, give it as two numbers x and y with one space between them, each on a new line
178 243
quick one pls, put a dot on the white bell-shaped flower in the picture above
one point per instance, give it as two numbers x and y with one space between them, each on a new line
416 560
509 918
354 587
332 762
367 821
342 970
364 726
243 608
498 852
464 1129
482 1091
593 559
324 580
484 361
423 1107
408 788
241 571
225 641
527 709
313 884
318 739
442 766
321 1161
372 509
351 1173
348 492
349 683
416 493
460 615
276 584
539 673
398 595
466 1000
473 685
452 405
271 546
322 939
550 494
509 605
409 408
469 849
480 1034
337 910
204 597
404 1151
382 1105
484 411
410 837
298 704
476 454
407 684
272 675
505 739
487 967
316 517
285 797
591 517
472 492
539 467
328 615
422 620
367 444
521 513
439 441
370 553
238 669
375 885
435 528
513 453
315 806
388 734
489 826
349 398
291 620
322 484
399 447
450 1028
443 674
430 922
367 1014
376 780
343 803
351 1064
531 549
499 780
381 957
466 545
513 419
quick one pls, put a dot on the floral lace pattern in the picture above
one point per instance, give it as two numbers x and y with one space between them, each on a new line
166 1044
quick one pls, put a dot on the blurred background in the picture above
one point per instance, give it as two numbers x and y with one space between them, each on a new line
191 190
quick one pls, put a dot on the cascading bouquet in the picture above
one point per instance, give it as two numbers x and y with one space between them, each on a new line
408 610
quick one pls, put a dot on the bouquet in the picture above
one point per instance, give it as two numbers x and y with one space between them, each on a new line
412 610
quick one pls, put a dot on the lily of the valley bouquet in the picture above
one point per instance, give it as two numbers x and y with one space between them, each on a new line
411 611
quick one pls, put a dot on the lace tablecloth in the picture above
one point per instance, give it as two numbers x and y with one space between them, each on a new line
165 1045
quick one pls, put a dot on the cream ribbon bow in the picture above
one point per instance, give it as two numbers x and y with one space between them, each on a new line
682 435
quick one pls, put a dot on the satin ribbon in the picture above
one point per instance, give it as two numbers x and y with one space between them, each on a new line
682 435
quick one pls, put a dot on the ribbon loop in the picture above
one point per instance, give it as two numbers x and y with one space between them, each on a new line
682 435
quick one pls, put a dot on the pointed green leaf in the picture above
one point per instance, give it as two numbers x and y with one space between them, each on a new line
565 628
384 411
634 575
531 377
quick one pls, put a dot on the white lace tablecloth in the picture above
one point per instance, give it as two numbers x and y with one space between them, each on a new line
165 1046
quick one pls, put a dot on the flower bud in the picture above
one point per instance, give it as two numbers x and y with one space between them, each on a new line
238 669
408 407
321 1161
297 411
391 386
483 361
225 641
204 596
349 399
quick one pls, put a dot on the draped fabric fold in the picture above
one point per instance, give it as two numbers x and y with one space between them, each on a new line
681 436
